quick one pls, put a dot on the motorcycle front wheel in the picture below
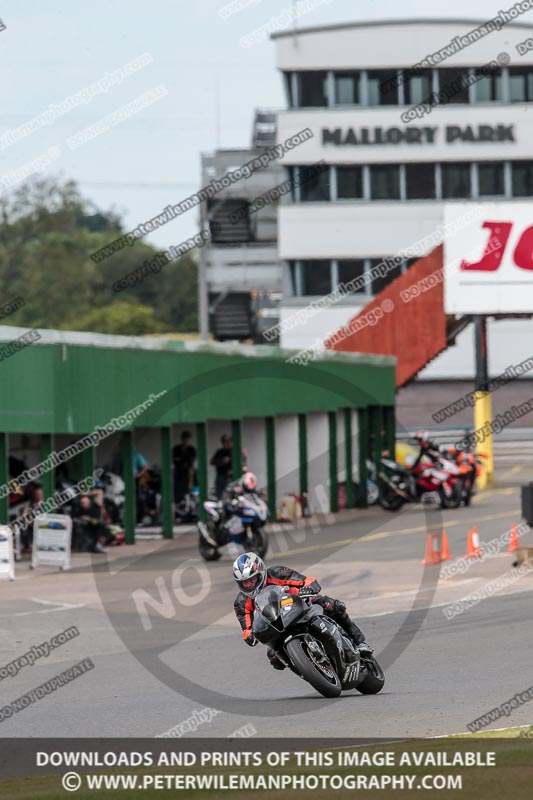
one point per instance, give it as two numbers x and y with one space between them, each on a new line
389 500
325 680
454 500
468 492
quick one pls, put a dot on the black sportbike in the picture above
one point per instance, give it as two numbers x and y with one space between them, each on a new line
312 645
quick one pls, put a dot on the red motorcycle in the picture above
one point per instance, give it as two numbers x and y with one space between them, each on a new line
423 481
470 467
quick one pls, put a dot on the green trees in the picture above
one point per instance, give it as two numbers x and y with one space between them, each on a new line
47 233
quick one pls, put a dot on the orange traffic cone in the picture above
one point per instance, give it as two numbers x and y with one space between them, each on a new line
473 550
513 540
432 555
445 554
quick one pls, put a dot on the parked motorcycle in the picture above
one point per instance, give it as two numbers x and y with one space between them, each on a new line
426 482
186 511
312 645
114 496
239 520
470 467
372 489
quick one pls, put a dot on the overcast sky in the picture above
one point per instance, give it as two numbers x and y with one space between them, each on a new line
51 49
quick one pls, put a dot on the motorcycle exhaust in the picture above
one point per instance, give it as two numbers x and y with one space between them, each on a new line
393 486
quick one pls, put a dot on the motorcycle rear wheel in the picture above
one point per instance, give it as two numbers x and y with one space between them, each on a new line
207 552
327 687
374 681
259 542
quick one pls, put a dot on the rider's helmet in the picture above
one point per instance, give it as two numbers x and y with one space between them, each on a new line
249 572
422 437
249 482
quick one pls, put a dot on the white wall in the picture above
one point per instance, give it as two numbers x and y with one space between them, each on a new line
318 461
287 455
341 452
253 441
356 230
509 342
431 147
316 329
397 44
355 444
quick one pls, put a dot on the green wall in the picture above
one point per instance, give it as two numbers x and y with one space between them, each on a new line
73 388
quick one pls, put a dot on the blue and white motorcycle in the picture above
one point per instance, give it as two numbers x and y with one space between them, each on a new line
236 522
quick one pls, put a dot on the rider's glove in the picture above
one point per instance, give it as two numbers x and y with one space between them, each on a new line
251 640
307 591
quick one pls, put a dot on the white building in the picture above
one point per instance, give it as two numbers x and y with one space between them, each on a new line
243 273
389 173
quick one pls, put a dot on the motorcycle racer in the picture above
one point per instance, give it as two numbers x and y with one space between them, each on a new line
427 448
252 575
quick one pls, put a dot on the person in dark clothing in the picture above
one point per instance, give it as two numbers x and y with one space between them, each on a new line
183 456
88 525
36 497
251 575
222 461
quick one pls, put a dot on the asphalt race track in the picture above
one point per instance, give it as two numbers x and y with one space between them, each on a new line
440 674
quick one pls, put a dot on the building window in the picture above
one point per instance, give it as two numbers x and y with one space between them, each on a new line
349 183
352 269
316 276
292 172
420 181
287 78
385 182
347 88
522 172
394 270
383 87
521 84
417 86
488 87
312 89
490 179
454 85
456 181
314 186
293 279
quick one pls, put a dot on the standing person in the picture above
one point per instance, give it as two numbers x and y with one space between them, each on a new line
88 524
183 456
222 461
36 499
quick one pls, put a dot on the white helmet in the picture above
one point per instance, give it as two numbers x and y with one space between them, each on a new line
249 482
249 572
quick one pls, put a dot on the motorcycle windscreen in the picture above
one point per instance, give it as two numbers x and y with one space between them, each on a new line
267 614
